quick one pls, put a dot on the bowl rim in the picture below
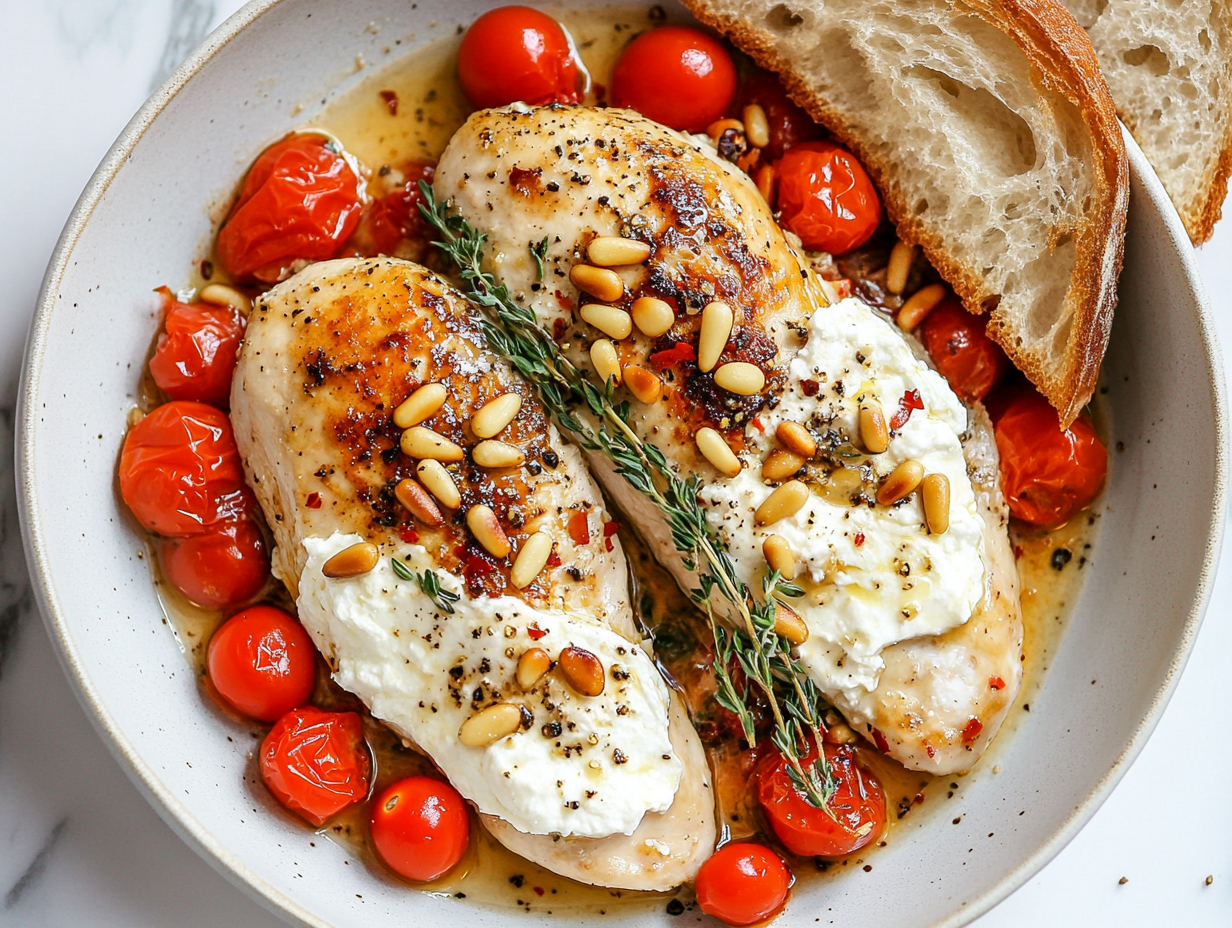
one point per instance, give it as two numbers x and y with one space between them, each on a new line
213 851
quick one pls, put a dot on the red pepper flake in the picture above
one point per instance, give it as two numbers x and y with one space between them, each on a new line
809 387
609 529
536 632
579 528
564 301
408 534
859 539
1018 552
972 731
843 287
391 101
932 751
539 890
477 566
677 354
757 425
996 683
918 799
554 559
910 402
313 501
880 740
559 327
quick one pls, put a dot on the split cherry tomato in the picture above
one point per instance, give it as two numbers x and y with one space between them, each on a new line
420 828
196 352
858 806
219 568
678 76
515 53
263 663
742 884
789 124
300 202
1047 473
391 220
315 762
955 339
826 197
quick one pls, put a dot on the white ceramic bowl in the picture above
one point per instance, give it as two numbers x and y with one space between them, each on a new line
144 218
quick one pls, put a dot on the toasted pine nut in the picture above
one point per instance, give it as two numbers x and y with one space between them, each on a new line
605 360
582 670
783 503
841 733
604 284
611 321
901 256
493 453
765 182
489 725
788 624
756 126
741 378
614 251
432 474
715 449
487 530
796 438
780 464
532 665
418 502
716 329
531 560
222 295
919 305
359 558
874 434
779 556
643 384
653 316
935 491
901 483
420 405
716 129
495 415
423 443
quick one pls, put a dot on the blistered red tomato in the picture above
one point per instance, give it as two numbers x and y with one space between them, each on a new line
789 124
826 198
956 341
1047 473
678 76
858 806
392 224
420 828
315 762
196 352
300 202
219 568
263 663
514 53
742 884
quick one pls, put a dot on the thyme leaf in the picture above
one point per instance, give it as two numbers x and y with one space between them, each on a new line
430 582
539 253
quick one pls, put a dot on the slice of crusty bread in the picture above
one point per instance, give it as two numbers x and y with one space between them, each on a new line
1169 67
993 139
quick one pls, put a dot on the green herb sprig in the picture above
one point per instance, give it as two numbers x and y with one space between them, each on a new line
430 582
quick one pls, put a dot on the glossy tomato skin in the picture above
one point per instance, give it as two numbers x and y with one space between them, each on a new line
300 201
1047 474
789 124
858 805
420 828
219 568
315 762
514 53
826 197
743 884
391 220
196 353
262 663
678 76
180 471
956 341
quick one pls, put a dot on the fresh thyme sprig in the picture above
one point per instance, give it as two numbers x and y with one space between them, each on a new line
747 639
430 582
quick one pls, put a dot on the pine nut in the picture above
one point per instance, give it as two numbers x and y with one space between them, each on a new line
741 378
221 295
796 438
716 329
532 665
901 257
424 444
780 464
716 129
487 530
418 502
611 321
756 125
643 384
489 725
432 474
717 451
531 560
935 492
601 282
788 624
874 434
495 415
783 503
901 483
841 733
652 316
605 360
779 556
614 251
582 670
765 182
919 305
420 405
359 558
493 453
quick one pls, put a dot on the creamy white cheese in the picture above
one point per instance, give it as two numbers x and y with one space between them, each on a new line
587 766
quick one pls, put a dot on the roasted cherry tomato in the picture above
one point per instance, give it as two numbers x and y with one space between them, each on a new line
315 762
196 352
789 124
1047 473
515 53
742 884
955 339
300 202
263 663
392 224
420 828
826 198
678 76
858 806
219 568
180 471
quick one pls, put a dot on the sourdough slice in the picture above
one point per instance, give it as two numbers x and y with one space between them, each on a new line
993 139
1169 67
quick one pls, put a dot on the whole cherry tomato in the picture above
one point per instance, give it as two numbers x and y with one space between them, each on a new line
514 53
1047 473
678 76
393 218
826 198
742 884
300 201
955 339
180 471
219 568
420 828
263 663
858 806
315 762
789 124
196 352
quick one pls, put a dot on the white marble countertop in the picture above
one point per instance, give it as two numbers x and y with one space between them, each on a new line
78 844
